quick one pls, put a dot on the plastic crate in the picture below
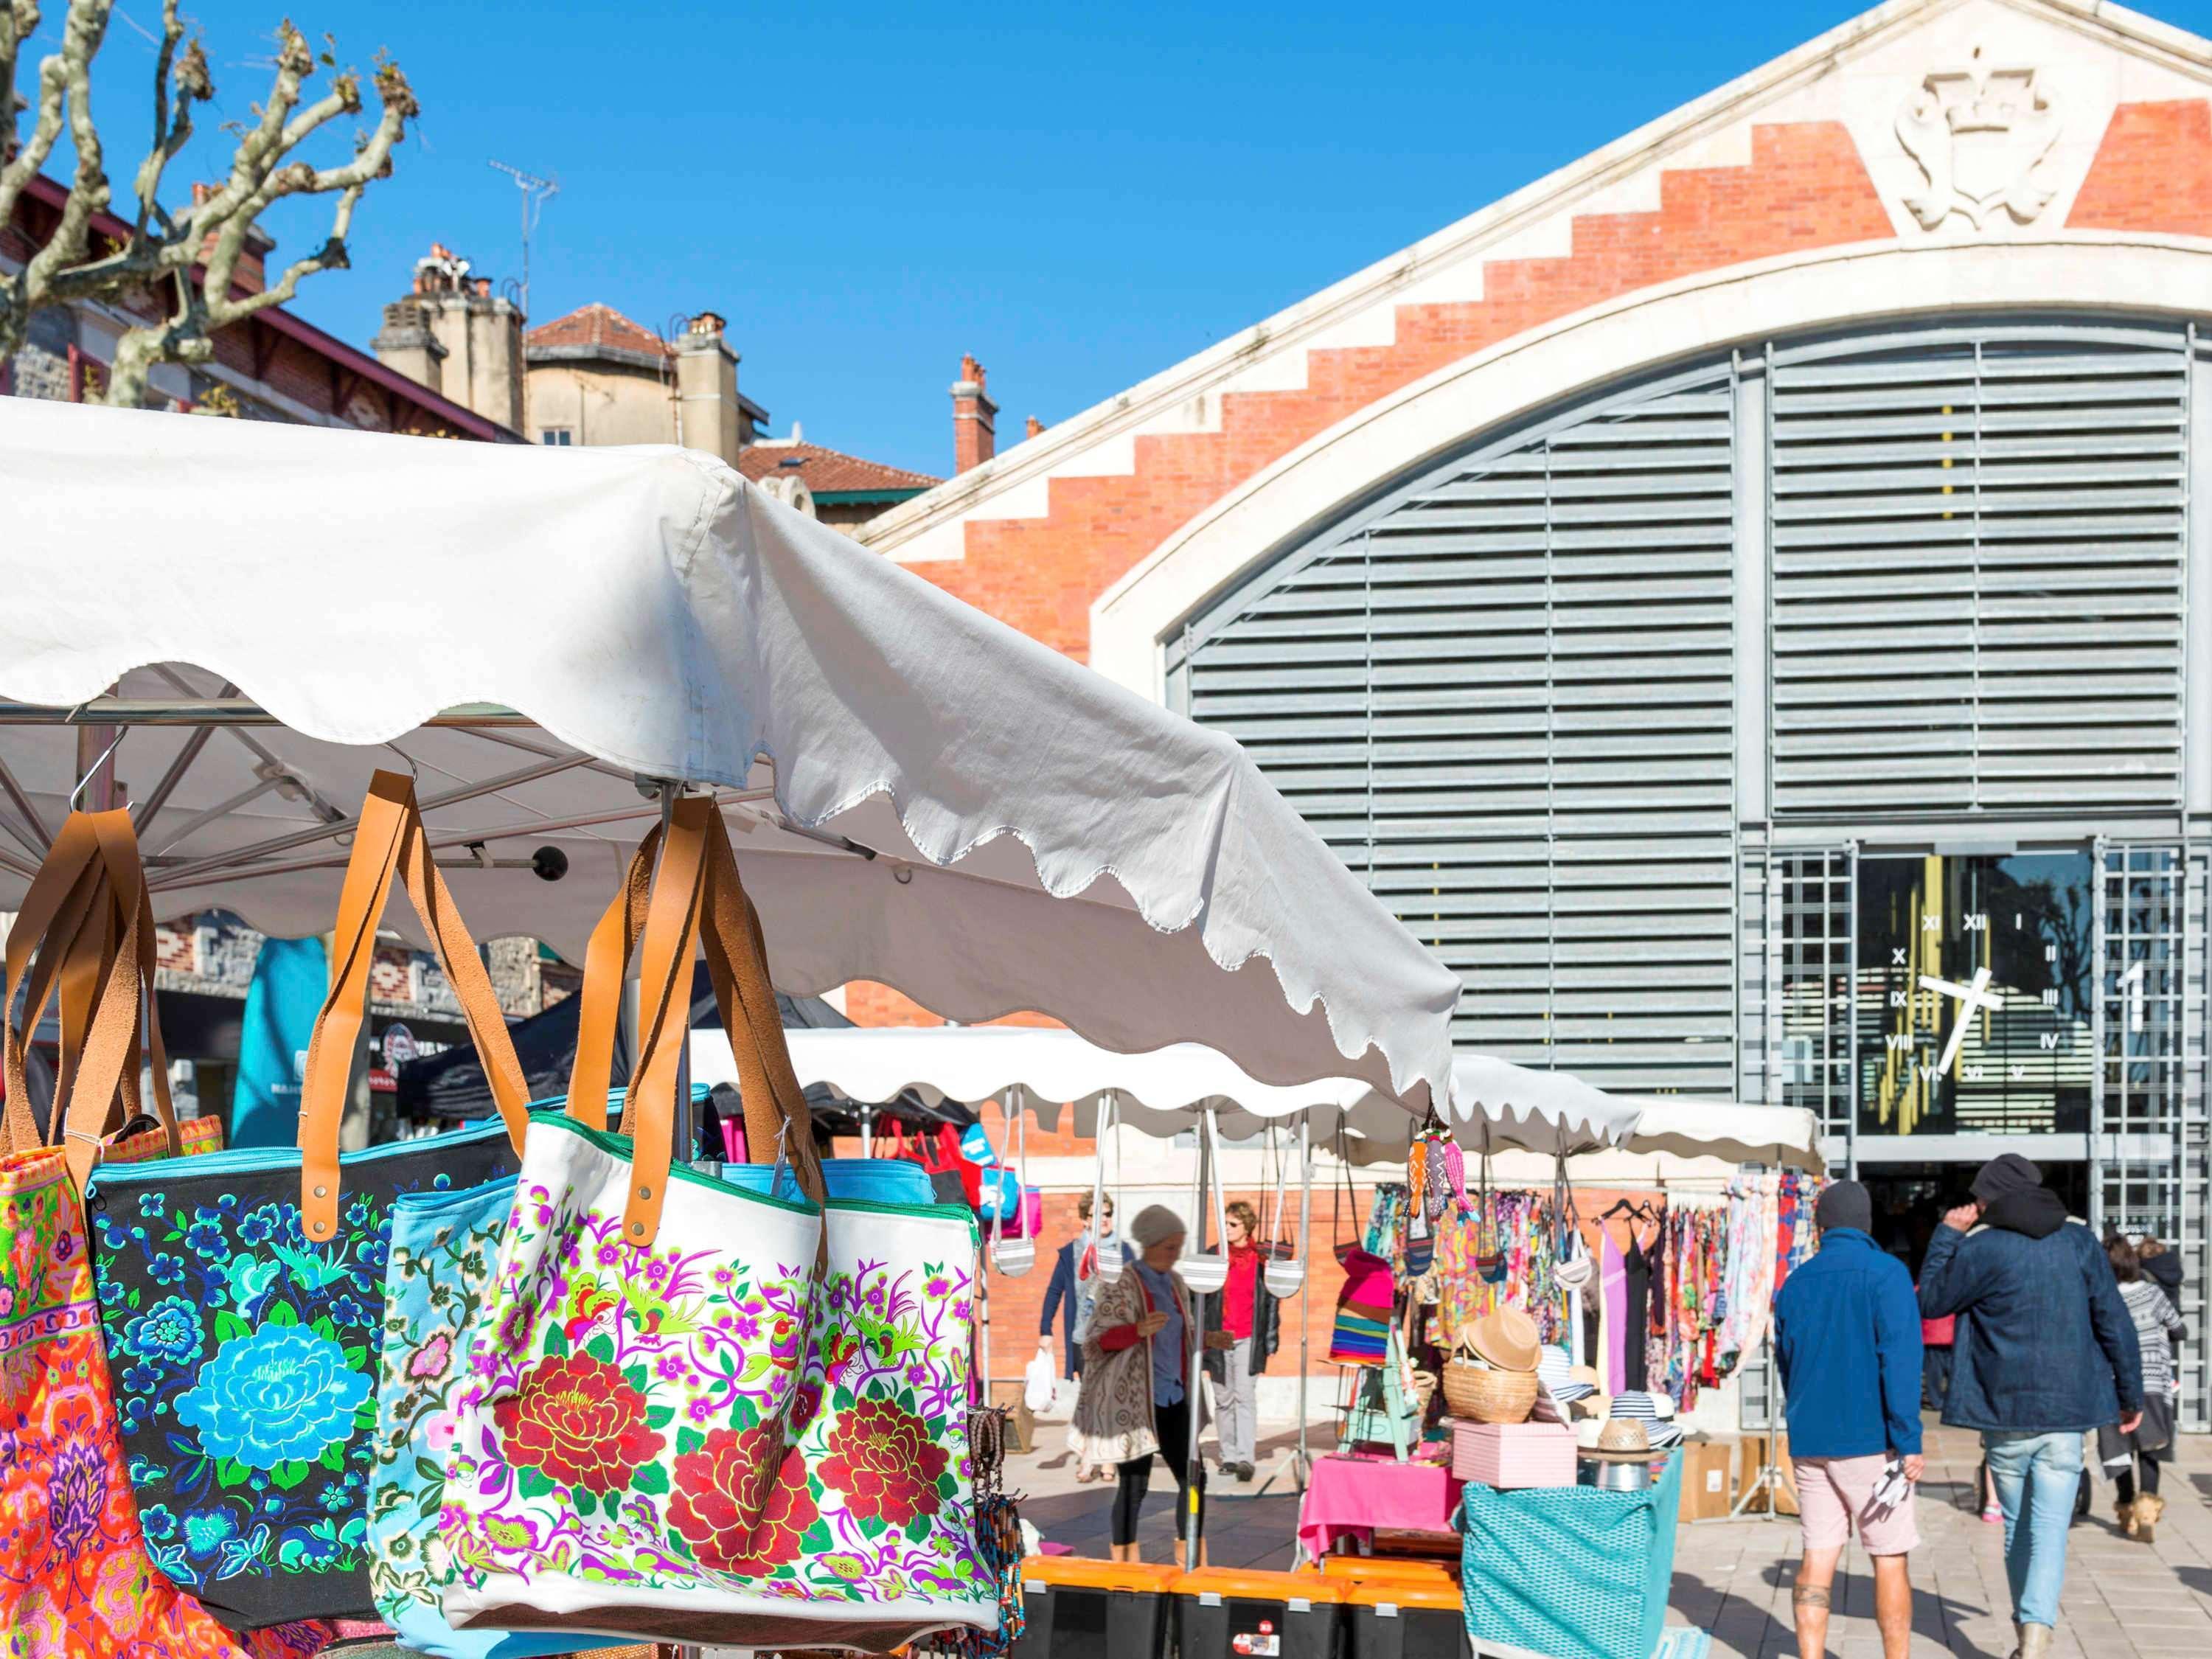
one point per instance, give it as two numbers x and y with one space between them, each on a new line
1404 1618
1226 1612
1079 1608
1352 1569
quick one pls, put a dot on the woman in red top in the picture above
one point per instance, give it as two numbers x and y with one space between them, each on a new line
1244 1312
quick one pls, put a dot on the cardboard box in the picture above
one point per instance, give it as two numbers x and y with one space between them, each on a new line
1708 1478
1754 1460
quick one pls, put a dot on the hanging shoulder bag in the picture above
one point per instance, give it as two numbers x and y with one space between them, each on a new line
76 1581
1360 1332
242 1293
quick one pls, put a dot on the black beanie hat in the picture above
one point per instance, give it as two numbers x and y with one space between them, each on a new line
1845 1204
2007 1173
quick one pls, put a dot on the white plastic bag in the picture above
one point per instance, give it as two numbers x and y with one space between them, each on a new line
1039 1380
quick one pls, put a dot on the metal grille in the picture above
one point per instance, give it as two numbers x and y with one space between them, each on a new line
1978 540
1816 983
2149 1034
1505 696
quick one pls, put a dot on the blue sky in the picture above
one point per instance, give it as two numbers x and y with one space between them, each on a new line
1080 195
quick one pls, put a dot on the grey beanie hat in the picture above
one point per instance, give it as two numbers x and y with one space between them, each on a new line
1155 1225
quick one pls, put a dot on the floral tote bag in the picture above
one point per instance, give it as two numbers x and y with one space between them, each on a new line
632 1454
443 1248
242 1293
75 1580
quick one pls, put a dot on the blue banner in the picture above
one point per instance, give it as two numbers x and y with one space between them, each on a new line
290 982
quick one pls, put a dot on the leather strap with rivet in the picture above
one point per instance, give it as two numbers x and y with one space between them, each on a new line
391 848
89 918
698 895
606 965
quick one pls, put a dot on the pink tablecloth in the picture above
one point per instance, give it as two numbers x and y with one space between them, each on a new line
1355 1495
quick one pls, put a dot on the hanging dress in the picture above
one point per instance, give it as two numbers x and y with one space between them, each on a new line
1615 1330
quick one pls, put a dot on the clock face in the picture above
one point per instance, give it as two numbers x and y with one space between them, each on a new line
1974 985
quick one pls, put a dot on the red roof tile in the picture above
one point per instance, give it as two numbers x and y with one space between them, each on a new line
597 325
827 471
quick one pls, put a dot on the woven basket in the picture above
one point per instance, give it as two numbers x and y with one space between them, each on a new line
1423 1391
1482 1395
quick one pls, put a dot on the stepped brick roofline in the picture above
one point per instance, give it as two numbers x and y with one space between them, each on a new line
1703 210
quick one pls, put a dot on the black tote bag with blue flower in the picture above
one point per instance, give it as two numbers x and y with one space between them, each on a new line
242 1293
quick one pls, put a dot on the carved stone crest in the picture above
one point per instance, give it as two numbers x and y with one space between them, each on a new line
1979 135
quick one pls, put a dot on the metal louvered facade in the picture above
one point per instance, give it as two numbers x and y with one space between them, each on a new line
1978 551
1506 694
1727 731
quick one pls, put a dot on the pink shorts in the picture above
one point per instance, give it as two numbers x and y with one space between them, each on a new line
1835 1495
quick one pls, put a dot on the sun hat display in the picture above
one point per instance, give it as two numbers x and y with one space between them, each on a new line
1622 1440
1555 1366
1506 1338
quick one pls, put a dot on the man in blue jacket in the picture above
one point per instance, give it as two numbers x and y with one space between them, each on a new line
1847 1340
2044 1352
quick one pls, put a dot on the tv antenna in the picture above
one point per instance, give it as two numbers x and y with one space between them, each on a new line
535 192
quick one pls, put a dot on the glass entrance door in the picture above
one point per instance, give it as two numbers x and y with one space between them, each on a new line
1975 994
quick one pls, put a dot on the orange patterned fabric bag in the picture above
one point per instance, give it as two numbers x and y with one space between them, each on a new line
75 1579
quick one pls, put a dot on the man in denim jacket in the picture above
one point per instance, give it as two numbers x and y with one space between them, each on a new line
2044 1352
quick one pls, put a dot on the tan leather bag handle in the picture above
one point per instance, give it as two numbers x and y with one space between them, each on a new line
127 1031
698 895
606 964
69 884
91 920
390 846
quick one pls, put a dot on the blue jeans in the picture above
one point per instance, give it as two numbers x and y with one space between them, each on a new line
2039 1474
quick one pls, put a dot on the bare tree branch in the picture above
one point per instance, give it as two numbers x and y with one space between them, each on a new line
191 255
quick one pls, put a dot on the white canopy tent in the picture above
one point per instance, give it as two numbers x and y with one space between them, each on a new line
264 614
1157 1090
1776 1136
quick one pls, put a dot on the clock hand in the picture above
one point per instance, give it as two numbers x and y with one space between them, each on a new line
1970 997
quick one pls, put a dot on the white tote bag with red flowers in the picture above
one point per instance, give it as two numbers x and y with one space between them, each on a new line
694 1418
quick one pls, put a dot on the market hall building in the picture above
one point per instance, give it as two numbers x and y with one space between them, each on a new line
1744 600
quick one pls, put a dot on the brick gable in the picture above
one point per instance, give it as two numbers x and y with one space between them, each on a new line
1804 188
2152 172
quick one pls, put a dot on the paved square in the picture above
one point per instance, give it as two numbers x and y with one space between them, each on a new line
2123 1599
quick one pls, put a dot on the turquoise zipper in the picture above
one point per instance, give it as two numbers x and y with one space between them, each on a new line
250 1159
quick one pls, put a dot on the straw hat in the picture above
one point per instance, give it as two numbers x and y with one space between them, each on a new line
1506 1340
1621 1440
1555 1367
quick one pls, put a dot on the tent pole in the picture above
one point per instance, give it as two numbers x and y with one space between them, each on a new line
1306 1288
1188 1497
687 1132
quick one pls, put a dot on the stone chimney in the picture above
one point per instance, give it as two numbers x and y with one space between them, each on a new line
974 436
1035 427
406 344
708 416
478 336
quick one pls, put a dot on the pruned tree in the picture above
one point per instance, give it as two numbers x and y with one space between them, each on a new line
173 269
